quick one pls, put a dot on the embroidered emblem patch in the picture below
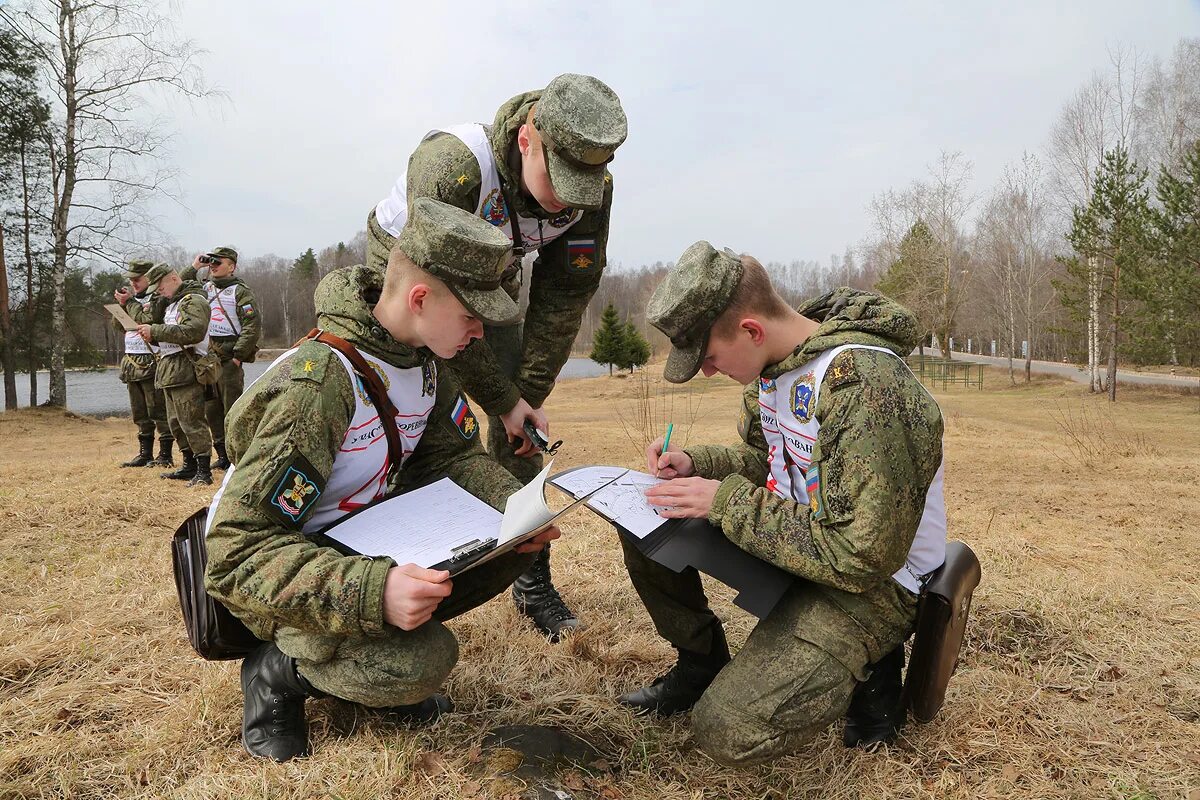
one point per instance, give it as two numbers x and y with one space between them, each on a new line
494 209
563 220
362 390
428 379
841 372
802 397
766 385
812 485
463 418
581 253
295 493
248 310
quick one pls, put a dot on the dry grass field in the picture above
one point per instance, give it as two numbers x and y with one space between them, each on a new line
1080 679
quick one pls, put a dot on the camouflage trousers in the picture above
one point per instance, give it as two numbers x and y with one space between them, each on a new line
227 390
185 413
796 672
148 407
399 667
504 340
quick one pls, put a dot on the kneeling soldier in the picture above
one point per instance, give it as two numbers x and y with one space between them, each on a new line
838 480
363 629
182 336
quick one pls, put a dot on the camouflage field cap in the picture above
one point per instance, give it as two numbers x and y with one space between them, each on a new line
581 123
224 252
687 303
155 275
466 253
138 267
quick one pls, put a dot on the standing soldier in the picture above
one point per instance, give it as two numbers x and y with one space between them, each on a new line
146 402
539 175
182 336
233 331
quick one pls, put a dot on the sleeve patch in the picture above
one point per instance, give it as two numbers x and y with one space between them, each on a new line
842 372
294 491
581 254
744 425
463 418
816 495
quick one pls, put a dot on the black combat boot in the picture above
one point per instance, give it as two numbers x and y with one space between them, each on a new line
682 687
425 712
186 471
536 598
273 692
203 476
222 461
877 711
145 452
164 458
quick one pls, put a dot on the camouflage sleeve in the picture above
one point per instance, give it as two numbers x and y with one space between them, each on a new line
444 168
289 423
565 276
246 345
192 326
453 449
877 452
190 273
142 315
748 458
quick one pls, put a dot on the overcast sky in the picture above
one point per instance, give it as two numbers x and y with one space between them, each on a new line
765 127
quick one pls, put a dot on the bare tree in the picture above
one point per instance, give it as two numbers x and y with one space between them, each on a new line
99 59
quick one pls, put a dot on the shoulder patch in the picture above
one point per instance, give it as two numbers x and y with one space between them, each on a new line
843 371
310 361
463 418
581 254
816 497
294 491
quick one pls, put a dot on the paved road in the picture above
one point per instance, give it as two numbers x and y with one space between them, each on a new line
1080 376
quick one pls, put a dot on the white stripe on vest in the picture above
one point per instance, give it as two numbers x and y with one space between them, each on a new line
790 438
360 466
171 317
134 343
392 211
222 321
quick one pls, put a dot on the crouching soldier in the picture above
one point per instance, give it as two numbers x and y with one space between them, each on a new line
182 336
306 444
147 405
837 479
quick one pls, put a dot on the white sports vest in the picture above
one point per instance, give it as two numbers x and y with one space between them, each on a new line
360 466
134 343
787 407
392 211
171 317
223 320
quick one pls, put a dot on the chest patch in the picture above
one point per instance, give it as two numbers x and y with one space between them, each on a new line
802 397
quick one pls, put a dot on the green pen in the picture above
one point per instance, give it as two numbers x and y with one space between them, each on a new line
667 438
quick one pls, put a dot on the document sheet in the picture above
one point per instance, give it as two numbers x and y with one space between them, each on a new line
620 495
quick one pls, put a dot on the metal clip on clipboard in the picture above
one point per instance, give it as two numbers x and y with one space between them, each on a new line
468 549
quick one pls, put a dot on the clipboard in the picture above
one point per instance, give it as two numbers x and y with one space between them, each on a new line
681 543
120 315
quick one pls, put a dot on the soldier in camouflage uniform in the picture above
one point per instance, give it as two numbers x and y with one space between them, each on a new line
837 479
307 448
233 330
538 173
147 405
180 330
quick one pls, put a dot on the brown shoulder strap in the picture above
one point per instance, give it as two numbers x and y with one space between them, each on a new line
375 390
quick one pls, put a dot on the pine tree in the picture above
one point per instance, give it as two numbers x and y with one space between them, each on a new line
635 350
305 267
914 279
608 344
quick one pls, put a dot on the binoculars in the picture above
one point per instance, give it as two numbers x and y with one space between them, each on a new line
212 261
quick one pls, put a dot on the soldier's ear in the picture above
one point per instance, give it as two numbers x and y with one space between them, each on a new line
523 140
418 297
755 329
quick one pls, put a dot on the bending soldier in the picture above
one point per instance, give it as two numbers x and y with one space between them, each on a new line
181 334
362 629
233 331
538 174
837 479
147 404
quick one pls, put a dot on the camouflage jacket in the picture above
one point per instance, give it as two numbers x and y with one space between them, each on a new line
878 449
176 369
137 366
444 168
243 347
265 569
